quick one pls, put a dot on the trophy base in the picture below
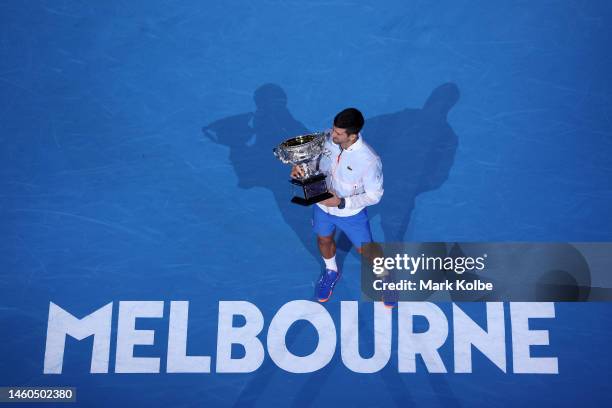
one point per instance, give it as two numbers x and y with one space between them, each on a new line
314 189
312 200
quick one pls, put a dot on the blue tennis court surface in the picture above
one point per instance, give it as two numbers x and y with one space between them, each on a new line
136 165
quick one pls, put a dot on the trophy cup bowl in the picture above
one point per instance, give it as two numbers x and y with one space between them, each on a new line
304 151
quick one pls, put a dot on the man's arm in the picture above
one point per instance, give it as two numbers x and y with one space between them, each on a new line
373 187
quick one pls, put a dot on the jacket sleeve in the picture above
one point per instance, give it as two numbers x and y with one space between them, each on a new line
372 186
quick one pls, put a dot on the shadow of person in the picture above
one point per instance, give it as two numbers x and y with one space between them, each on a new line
417 148
251 137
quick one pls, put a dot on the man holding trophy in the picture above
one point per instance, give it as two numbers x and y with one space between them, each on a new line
348 178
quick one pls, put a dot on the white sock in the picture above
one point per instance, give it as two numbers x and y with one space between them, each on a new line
331 263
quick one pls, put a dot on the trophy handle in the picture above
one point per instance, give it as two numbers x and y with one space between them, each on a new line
278 154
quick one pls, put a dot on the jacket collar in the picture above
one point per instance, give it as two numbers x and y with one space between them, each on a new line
357 145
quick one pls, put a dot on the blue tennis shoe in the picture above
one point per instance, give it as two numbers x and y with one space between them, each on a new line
326 283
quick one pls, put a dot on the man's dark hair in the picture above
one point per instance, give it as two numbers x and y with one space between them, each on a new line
350 119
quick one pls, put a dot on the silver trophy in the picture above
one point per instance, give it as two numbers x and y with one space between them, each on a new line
304 151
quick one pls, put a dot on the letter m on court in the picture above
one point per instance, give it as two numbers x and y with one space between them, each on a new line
62 323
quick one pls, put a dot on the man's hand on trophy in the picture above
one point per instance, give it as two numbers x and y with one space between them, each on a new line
297 172
332 201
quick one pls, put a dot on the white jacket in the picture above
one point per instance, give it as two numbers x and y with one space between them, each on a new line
354 174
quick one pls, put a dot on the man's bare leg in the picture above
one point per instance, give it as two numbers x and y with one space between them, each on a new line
329 278
327 247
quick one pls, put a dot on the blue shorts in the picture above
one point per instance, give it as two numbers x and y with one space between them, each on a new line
356 227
